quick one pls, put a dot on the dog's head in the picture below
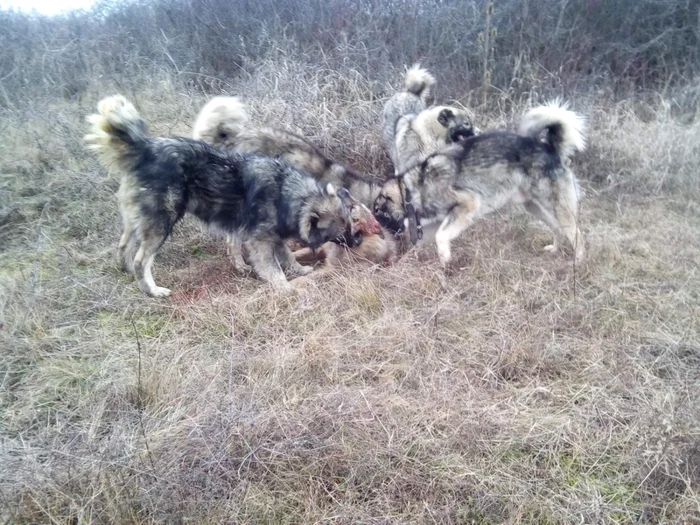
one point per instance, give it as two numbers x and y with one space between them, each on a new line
388 206
457 123
445 125
220 121
326 217
363 223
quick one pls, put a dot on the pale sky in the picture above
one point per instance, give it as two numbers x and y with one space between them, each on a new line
47 7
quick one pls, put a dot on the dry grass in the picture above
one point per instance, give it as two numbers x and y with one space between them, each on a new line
512 389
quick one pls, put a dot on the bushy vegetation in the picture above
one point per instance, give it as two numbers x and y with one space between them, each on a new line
548 45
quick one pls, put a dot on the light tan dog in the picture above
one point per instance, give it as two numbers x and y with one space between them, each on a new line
412 130
472 178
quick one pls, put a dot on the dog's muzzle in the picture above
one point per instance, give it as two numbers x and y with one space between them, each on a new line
462 133
351 241
392 224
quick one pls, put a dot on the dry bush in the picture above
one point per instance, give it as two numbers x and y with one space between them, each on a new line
549 45
514 388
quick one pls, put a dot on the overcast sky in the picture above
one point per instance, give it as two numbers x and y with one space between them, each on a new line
48 7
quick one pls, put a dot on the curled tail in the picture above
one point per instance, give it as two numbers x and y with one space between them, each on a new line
220 121
117 133
565 129
420 82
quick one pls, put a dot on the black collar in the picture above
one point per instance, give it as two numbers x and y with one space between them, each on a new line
415 230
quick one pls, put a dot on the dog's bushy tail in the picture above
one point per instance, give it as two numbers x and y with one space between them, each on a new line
565 129
420 82
117 133
220 120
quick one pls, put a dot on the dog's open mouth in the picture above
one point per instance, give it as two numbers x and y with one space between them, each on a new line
390 223
462 134
351 241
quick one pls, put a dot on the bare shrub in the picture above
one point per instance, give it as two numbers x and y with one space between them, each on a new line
573 44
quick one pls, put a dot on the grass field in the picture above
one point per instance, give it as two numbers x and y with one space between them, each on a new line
514 388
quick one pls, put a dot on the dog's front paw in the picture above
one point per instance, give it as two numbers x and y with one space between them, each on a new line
126 266
242 268
159 292
281 285
445 256
444 251
304 270
238 263
125 261
301 283
285 289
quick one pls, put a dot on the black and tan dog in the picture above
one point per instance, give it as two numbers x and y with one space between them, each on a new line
260 200
224 123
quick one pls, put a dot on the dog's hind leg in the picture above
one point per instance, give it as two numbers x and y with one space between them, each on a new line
151 239
262 256
458 220
125 248
127 241
566 209
536 208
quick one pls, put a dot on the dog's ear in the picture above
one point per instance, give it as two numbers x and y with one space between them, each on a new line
225 132
445 116
346 198
330 189
313 220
